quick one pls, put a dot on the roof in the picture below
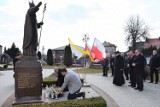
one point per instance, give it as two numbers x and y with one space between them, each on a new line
153 41
108 44
62 48
59 48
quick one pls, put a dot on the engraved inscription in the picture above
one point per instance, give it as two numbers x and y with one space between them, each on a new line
27 80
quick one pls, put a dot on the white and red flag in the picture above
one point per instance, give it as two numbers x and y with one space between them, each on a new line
88 51
98 49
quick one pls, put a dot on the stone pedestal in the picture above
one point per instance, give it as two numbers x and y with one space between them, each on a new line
28 80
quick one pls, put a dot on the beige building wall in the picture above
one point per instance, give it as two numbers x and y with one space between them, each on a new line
0 49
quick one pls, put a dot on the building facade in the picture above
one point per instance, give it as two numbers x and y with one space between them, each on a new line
148 43
1 49
110 48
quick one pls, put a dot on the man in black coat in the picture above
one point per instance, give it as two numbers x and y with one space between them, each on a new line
60 78
126 67
112 64
105 63
154 67
138 64
118 74
131 69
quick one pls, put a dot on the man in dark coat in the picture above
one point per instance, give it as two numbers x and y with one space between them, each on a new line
131 69
112 64
138 64
105 63
60 78
30 40
154 67
126 67
118 74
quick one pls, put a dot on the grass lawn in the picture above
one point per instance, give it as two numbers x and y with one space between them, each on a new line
4 69
51 67
88 70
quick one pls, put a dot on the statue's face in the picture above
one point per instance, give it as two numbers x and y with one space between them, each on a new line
31 4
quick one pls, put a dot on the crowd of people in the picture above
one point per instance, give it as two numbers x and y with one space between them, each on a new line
132 67
123 67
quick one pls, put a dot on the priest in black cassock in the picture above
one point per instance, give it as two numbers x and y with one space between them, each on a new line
119 66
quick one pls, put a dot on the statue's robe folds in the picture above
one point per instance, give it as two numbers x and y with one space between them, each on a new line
30 40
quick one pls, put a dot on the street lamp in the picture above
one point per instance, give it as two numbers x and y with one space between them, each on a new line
85 38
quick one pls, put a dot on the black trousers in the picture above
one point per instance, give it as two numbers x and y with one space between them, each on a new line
105 71
126 70
133 78
152 72
139 79
74 95
112 68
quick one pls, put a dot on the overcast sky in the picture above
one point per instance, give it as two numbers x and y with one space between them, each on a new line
103 19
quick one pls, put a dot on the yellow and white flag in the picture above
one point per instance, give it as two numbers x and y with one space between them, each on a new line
76 50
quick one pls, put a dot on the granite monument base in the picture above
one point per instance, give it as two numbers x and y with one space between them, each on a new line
28 80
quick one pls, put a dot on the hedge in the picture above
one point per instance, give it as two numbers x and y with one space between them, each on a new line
49 81
52 80
89 102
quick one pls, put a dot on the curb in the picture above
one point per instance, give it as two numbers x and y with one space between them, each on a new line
8 101
109 100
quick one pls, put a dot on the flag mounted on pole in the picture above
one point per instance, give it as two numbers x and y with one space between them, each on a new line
98 49
88 52
76 50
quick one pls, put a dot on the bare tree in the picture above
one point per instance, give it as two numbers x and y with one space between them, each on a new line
135 30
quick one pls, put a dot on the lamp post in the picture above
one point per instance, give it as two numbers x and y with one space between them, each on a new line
85 39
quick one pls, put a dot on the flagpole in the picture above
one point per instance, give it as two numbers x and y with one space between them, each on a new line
85 40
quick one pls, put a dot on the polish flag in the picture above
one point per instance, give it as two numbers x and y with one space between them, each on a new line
98 49
88 51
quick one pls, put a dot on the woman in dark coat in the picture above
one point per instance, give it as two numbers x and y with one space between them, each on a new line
118 74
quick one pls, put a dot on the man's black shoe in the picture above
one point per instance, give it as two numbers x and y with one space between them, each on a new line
83 95
136 88
130 85
150 82
133 86
156 83
140 89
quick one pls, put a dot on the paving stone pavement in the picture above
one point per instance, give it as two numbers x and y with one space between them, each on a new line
7 83
126 96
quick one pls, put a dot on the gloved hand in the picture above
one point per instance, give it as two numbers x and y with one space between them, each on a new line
39 4
41 23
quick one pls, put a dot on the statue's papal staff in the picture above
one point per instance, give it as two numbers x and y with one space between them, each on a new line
41 26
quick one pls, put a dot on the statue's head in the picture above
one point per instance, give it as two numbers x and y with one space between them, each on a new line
31 4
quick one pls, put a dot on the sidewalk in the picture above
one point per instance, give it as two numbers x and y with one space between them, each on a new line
126 96
7 89
121 96
7 83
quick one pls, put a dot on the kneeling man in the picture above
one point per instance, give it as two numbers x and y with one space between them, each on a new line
74 84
